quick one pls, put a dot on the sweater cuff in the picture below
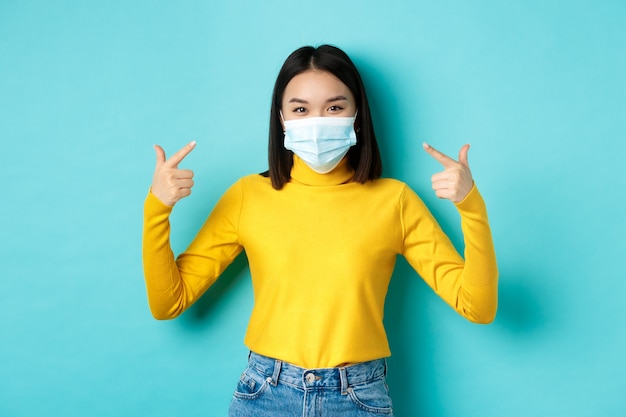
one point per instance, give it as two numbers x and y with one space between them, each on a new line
472 203
154 207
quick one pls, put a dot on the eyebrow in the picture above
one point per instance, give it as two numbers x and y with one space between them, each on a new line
330 100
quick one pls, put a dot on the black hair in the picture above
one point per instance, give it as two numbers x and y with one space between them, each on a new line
364 157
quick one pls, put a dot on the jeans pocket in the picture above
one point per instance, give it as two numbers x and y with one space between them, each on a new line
372 397
251 385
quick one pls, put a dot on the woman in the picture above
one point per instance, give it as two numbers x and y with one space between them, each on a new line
321 231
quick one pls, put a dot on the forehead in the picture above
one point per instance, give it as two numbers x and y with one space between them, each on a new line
314 84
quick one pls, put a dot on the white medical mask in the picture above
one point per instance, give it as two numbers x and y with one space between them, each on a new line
321 142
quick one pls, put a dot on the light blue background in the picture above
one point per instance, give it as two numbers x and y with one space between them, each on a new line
86 89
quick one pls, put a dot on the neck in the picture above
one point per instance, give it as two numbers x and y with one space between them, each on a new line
302 174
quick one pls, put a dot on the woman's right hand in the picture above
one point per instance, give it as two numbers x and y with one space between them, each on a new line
170 184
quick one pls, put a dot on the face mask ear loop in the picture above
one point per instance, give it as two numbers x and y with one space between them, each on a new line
357 129
282 120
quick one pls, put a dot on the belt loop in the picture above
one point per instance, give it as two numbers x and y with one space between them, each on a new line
385 363
343 375
277 366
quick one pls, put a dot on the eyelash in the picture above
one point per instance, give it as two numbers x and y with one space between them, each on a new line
303 109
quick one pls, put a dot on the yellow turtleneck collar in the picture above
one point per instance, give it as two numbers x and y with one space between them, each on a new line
302 174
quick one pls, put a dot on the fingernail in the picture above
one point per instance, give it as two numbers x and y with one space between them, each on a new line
425 145
192 143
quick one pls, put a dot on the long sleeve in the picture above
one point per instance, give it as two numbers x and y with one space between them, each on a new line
469 285
174 284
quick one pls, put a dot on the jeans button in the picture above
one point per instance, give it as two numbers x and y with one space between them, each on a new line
310 378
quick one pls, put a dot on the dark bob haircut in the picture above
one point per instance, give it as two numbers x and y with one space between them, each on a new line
364 157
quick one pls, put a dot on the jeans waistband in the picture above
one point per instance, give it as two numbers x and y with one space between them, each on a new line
342 377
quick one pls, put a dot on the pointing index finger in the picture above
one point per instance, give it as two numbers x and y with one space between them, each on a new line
443 159
177 158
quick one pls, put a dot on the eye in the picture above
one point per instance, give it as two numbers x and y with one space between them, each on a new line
299 110
335 109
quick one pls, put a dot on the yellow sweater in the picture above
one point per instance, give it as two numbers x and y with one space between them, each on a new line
321 254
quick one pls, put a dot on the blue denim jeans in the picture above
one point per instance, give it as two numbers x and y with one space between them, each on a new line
272 388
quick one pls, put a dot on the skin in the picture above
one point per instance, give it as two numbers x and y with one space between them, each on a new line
455 181
169 183
312 93
317 94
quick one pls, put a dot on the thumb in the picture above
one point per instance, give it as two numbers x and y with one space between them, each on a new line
463 155
160 155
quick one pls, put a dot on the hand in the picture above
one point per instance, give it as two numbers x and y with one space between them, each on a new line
455 181
170 184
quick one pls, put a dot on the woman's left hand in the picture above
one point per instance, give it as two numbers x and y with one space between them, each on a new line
455 181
